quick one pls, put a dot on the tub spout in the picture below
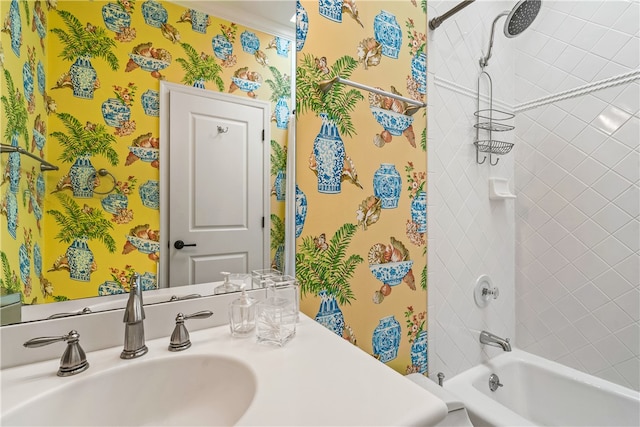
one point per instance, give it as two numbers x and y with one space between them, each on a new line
495 341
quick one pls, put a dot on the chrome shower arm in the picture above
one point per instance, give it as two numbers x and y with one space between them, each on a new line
484 61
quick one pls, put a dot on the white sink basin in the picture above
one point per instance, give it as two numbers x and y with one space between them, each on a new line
171 391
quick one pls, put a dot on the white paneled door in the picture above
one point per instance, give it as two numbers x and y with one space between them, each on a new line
217 187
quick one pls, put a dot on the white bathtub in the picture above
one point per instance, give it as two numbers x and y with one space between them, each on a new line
537 391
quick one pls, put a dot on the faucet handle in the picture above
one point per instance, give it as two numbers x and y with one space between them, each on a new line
180 336
73 360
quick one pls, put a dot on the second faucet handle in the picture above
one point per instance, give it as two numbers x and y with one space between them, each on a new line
73 360
180 336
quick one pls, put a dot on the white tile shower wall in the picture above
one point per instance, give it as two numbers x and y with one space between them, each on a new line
577 167
469 235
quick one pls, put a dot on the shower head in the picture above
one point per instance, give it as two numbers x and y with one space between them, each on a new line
518 19
521 16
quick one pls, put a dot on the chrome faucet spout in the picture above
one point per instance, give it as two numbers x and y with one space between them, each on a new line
495 341
134 344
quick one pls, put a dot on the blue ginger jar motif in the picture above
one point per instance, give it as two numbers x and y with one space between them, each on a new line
151 102
419 352
301 210
148 281
41 78
419 71
280 185
150 194
388 33
282 113
302 25
282 46
419 211
14 166
27 81
15 26
330 316
199 83
199 21
12 214
331 9
115 17
386 339
37 259
24 264
222 48
83 78
115 112
114 202
250 42
82 175
80 260
387 185
40 186
328 149
154 13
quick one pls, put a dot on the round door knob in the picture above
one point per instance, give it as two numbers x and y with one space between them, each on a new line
179 244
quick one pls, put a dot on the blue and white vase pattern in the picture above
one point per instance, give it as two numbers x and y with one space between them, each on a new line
42 81
199 21
115 112
40 29
419 211
83 78
151 102
110 287
419 352
331 9
27 81
40 187
14 166
280 185
25 264
222 48
80 260
39 139
301 210
154 13
150 194
114 202
16 27
419 71
386 339
199 83
282 113
148 281
387 185
37 259
115 17
328 149
329 315
82 175
12 214
388 33
250 42
302 25
282 46
37 210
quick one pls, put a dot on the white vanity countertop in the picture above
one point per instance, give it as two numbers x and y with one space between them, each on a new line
316 379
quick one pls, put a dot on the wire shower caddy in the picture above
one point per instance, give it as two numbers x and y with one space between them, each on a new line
490 120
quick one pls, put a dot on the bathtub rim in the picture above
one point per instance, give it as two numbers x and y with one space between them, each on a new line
462 386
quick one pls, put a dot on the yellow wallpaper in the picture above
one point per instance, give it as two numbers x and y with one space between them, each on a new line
132 46
359 40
